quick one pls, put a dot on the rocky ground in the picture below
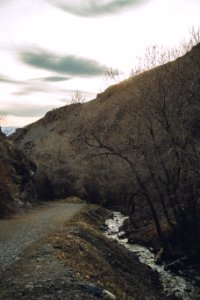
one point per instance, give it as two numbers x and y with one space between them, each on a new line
18 233
17 178
79 262
40 275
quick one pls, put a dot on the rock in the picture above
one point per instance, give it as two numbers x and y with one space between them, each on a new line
159 256
197 280
99 292
108 295
104 227
177 265
38 286
29 286
122 235
28 204
32 173
17 258
96 291
19 202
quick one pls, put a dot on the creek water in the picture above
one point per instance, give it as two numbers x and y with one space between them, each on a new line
172 284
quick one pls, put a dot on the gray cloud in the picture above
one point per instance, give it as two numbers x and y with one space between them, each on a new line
8 80
27 110
28 90
54 78
5 2
70 64
95 7
5 79
26 87
40 86
36 86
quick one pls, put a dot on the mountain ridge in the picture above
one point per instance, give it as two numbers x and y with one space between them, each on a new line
53 142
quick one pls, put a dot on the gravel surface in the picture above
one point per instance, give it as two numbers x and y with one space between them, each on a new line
39 274
18 233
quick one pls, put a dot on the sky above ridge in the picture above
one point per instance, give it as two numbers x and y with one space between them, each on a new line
51 48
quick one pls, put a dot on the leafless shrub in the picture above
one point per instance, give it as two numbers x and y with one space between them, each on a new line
158 55
160 148
77 98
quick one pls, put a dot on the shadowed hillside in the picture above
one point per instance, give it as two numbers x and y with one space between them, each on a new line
55 144
136 145
16 178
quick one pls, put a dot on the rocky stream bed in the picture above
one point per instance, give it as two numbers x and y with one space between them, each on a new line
173 285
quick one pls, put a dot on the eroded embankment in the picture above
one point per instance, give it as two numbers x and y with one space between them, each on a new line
174 285
102 262
80 262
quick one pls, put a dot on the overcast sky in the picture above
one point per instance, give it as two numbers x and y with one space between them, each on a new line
49 48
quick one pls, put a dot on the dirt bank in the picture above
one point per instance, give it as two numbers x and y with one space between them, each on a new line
79 262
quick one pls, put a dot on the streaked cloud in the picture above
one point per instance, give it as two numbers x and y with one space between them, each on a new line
31 86
54 78
69 64
90 8
5 2
36 85
26 109
5 79
28 90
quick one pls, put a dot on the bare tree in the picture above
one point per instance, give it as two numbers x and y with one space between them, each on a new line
77 98
161 147
113 76
156 55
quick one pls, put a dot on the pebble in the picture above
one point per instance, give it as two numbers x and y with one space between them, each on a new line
17 258
29 286
108 295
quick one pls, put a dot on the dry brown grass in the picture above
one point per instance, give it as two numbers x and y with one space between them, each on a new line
98 260
89 262
72 199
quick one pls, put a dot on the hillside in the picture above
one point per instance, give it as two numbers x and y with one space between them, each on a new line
52 141
17 186
135 146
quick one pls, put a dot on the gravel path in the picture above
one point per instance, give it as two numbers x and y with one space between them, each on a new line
18 233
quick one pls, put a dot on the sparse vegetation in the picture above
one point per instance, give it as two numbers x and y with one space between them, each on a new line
77 98
162 151
16 178
101 262
135 146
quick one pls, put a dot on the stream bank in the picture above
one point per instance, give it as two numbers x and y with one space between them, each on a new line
174 286
80 262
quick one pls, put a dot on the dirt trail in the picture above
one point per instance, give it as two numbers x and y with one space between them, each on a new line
18 233
79 262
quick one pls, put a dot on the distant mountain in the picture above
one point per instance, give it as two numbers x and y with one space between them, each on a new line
8 130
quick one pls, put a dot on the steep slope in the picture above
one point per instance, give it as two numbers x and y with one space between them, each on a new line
17 185
68 145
